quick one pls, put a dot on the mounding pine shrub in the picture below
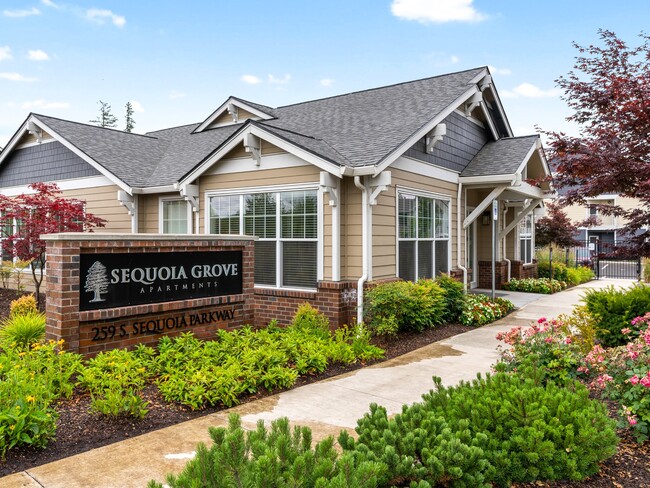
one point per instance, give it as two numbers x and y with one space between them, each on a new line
415 306
23 305
614 310
23 330
499 429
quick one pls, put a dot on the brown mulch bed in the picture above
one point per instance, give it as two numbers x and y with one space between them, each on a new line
78 430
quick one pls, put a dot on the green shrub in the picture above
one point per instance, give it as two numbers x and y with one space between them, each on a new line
535 285
500 429
276 458
614 309
579 275
415 306
481 309
310 320
23 305
31 380
454 297
115 379
560 270
22 330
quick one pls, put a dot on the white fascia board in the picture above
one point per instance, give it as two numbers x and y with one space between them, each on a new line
401 149
71 184
488 117
83 156
14 140
224 106
500 108
528 190
151 190
506 179
479 76
425 169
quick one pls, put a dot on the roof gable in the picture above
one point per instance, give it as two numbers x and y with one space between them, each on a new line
235 111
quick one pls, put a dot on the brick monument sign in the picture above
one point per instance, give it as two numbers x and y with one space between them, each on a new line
107 291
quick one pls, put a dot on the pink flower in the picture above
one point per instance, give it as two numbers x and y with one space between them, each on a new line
631 419
583 369
626 331
548 340
541 320
634 380
645 381
568 340
604 379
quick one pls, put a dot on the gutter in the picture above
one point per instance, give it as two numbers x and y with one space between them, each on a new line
459 225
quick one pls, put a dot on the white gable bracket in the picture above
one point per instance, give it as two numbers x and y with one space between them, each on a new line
329 184
252 145
525 211
377 184
127 201
190 193
435 136
36 130
474 101
234 112
483 205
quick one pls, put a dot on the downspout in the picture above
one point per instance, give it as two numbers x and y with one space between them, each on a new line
459 226
505 254
364 245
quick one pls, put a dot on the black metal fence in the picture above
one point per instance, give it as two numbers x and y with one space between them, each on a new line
604 258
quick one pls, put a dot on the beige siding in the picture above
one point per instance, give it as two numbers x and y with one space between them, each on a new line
225 118
102 201
239 152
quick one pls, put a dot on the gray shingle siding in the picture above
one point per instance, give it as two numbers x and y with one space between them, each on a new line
51 161
463 141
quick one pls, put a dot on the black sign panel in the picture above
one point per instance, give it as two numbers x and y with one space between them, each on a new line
118 280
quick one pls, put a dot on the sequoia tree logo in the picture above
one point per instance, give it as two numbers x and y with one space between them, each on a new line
97 281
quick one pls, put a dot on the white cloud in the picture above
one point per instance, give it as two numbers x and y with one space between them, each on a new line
499 71
16 77
528 90
100 16
50 3
327 82
442 59
174 94
37 55
454 59
251 79
279 81
21 13
436 11
136 106
42 104
5 53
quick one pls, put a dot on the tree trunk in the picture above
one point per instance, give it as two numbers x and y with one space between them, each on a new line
550 261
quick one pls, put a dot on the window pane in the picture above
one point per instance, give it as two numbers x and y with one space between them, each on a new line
407 260
265 263
425 217
442 257
425 259
299 214
224 215
259 215
299 264
442 219
175 217
406 216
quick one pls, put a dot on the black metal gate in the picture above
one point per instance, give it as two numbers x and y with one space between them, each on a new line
608 263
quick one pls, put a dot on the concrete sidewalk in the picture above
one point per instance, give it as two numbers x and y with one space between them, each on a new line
327 407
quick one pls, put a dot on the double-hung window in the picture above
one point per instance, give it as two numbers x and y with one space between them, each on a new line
174 216
286 223
526 239
423 236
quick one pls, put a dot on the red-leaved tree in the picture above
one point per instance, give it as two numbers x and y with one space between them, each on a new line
609 93
26 217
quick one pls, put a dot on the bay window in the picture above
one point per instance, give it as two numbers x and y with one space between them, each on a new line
423 236
286 223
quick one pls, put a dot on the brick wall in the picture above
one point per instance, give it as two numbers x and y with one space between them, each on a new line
485 274
520 270
88 332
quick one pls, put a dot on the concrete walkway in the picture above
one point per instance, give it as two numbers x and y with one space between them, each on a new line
327 407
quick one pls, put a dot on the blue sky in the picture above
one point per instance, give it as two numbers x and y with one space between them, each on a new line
177 61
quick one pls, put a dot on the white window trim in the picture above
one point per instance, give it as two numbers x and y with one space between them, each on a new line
532 241
161 202
277 189
424 194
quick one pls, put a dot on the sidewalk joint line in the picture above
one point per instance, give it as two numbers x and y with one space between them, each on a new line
34 479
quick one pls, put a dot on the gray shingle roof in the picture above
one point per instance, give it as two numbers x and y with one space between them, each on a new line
356 129
501 157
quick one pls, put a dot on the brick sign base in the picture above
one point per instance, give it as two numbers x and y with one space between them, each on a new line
89 332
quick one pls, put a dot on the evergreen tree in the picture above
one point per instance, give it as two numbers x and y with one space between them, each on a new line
105 117
130 123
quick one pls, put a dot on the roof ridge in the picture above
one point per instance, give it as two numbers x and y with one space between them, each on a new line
174 127
93 126
381 87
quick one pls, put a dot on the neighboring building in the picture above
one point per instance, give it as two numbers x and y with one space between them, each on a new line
369 186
